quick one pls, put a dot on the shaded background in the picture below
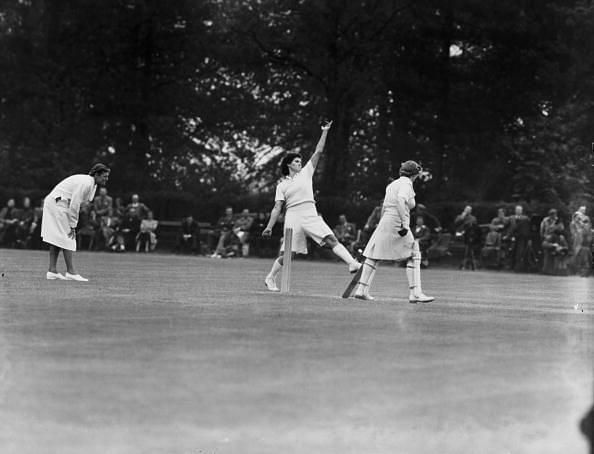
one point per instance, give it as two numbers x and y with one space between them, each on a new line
193 102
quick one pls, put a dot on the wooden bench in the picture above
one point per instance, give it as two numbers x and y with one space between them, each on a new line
168 232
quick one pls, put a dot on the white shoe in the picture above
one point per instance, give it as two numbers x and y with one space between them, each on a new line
354 267
216 256
54 276
75 277
419 298
270 284
364 296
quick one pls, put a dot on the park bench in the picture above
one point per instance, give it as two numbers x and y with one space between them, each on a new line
169 231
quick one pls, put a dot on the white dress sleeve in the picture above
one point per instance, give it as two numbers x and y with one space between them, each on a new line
80 194
407 193
280 195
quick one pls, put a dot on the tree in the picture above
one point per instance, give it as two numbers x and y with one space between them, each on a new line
552 152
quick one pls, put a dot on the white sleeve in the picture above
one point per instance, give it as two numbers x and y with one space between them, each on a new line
79 195
279 196
308 169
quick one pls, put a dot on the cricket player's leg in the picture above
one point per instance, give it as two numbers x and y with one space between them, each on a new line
367 275
52 273
342 253
413 274
71 275
270 280
277 267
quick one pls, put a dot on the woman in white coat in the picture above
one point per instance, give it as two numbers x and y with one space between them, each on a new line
60 217
393 239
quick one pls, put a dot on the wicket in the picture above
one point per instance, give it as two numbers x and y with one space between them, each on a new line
287 259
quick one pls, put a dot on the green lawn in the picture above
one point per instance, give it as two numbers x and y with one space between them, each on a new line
178 354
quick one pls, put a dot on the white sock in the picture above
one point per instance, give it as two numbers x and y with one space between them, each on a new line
276 267
344 254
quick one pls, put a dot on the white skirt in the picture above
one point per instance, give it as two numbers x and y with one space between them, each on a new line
305 222
387 244
55 227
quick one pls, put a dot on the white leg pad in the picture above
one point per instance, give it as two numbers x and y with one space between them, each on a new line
369 266
413 269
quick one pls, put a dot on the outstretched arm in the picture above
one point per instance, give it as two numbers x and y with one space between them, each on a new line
315 158
274 214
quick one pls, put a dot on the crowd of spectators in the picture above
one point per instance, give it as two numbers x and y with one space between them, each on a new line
20 227
102 225
516 242
111 225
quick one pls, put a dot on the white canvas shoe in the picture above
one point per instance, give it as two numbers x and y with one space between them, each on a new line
364 296
75 277
270 284
419 298
54 276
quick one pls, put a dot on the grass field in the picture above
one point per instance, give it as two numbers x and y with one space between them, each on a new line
177 354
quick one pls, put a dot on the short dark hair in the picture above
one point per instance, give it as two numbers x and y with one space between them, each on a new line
99 168
410 168
288 159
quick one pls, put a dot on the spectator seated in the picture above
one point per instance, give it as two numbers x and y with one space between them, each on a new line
222 233
146 239
24 227
9 219
87 227
188 238
134 213
440 247
239 241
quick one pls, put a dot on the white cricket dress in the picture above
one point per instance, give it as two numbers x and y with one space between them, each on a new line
386 243
61 208
301 214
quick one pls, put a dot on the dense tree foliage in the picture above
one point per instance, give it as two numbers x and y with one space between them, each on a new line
494 98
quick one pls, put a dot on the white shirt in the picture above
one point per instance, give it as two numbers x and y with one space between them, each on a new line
77 189
402 188
297 189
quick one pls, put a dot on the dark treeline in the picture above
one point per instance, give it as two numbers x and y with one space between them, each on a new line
495 98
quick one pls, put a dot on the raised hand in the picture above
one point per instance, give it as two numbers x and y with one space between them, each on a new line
327 125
